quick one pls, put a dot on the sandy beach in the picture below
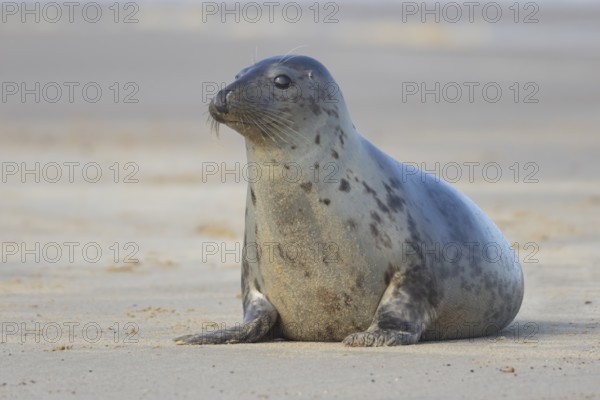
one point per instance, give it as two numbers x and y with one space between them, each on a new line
122 229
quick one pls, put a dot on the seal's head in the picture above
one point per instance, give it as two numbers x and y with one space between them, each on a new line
282 99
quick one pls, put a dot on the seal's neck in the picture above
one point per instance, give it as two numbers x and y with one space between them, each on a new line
328 138
329 147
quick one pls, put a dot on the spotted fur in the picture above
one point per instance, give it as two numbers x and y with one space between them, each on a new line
372 270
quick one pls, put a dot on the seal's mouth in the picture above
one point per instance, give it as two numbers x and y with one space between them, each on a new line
224 116
230 119
216 114
219 105
251 120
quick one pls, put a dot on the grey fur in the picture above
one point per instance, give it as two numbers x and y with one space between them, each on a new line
377 282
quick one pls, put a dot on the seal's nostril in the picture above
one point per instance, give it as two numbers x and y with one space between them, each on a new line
220 101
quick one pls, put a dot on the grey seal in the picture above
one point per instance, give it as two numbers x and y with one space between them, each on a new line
344 243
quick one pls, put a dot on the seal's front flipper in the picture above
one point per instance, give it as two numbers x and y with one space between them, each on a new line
403 314
259 318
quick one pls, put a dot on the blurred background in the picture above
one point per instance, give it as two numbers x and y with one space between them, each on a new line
435 84
112 209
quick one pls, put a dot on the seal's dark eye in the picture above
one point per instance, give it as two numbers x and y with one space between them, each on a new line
282 81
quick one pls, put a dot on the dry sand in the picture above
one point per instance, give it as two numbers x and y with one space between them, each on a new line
85 328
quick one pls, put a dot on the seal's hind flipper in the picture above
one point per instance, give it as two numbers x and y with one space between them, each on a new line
404 313
259 318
